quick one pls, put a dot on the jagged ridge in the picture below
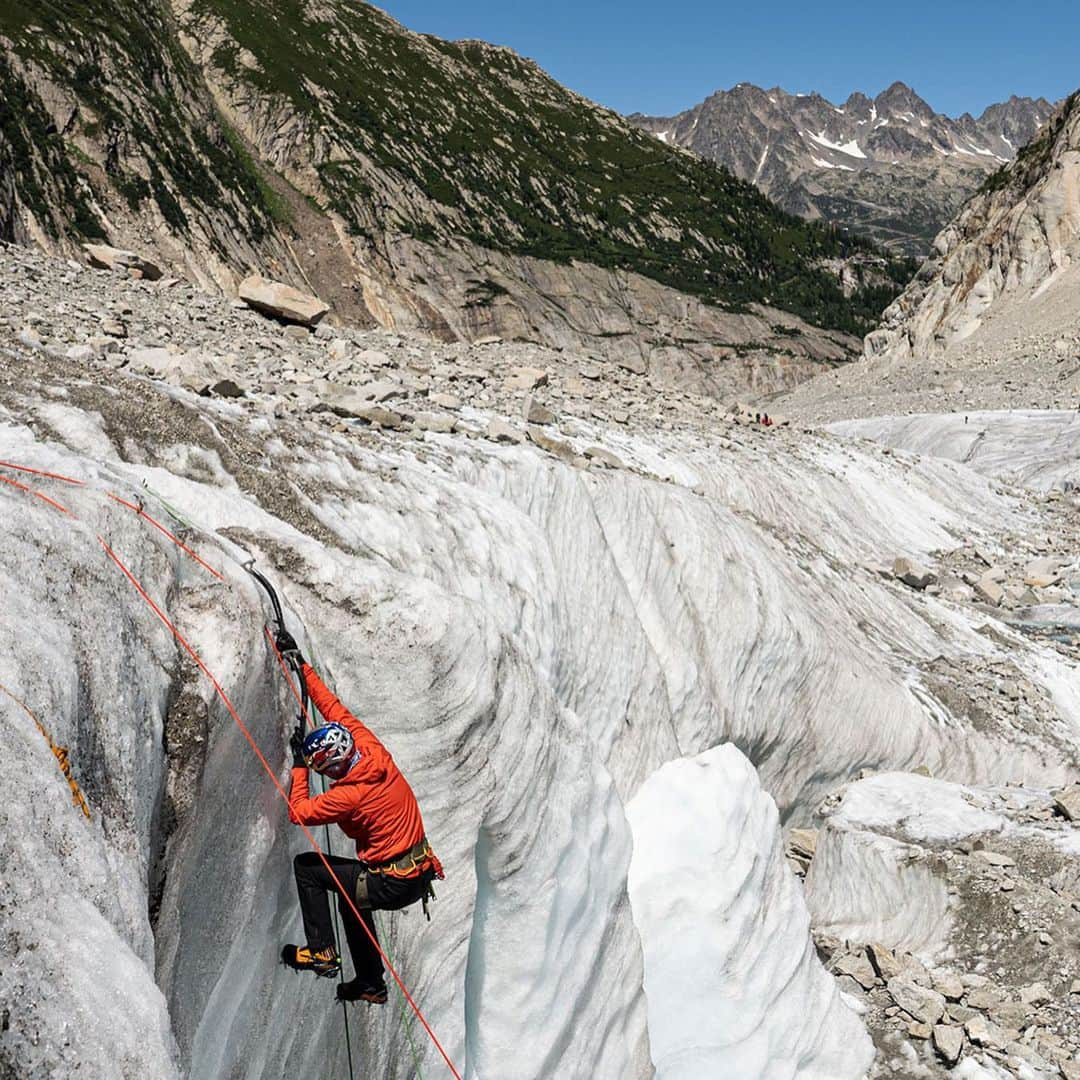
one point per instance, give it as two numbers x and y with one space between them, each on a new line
888 167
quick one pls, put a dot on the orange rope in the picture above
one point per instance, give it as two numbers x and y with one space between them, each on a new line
342 891
59 752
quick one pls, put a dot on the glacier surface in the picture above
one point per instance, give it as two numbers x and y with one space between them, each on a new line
533 642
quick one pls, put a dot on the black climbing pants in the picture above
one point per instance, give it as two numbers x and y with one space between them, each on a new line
378 892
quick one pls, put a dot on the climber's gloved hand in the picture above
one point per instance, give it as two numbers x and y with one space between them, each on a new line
288 648
296 744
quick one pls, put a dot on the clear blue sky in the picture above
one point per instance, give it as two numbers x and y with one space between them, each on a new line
662 57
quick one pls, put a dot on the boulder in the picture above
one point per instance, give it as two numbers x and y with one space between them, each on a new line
526 378
548 442
948 1042
1067 802
912 573
281 301
438 422
152 361
636 365
985 997
884 961
989 591
948 985
500 431
80 354
599 456
803 842
373 358
921 1003
857 967
536 413
445 401
983 1032
995 858
227 388
1012 1014
377 416
381 391
119 259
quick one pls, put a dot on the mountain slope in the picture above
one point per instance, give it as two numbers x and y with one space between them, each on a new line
1015 243
417 183
890 167
112 131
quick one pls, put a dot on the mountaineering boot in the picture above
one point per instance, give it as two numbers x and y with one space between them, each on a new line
325 962
354 990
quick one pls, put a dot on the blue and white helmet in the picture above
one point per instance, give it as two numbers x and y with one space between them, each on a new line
330 749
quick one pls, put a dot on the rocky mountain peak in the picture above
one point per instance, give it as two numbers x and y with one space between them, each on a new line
888 166
899 98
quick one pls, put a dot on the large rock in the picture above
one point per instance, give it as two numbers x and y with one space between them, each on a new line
985 1033
526 378
925 1005
1067 802
501 431
281 301
536 413
948 1042
913 573
120 259
989 590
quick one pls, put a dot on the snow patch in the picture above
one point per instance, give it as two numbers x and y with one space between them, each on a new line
852 148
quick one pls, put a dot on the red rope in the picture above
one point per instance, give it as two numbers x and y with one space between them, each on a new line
37 495
41 472
116 498
219 689
342 891
161 528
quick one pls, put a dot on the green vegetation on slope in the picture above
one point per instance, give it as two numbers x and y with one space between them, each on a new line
32 153
136 90
516 163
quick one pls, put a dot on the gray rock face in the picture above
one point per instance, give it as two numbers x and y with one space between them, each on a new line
890 167
1009 240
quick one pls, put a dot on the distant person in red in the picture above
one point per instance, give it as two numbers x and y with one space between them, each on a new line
373 804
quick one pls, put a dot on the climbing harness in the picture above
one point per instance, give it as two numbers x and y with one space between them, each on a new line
59 752
227 702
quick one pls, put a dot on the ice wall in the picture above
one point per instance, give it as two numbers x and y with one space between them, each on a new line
722 916
533 641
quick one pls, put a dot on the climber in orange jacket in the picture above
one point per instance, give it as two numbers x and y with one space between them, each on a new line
372 803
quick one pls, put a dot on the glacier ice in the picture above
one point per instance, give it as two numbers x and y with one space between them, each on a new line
532 641
720 911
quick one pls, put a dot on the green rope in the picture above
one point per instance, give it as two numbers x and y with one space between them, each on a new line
406 1019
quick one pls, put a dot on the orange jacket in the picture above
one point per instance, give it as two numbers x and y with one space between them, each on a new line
372 803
